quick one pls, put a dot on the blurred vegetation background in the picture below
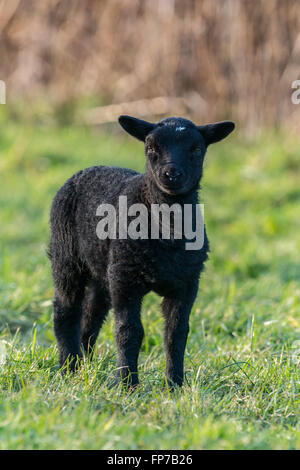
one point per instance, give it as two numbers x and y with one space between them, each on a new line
204 59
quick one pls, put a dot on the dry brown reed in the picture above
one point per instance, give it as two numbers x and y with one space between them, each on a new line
222 58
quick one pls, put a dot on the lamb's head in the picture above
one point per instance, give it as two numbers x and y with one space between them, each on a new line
175 149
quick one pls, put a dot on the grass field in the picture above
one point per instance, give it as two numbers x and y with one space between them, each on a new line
242 378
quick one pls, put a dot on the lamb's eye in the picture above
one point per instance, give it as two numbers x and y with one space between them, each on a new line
195 149
152 151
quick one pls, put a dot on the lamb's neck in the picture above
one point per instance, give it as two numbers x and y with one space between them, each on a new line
151 194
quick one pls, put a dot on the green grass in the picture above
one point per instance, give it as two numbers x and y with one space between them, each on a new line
242 378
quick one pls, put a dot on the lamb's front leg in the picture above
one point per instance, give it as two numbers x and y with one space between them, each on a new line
129 336
176 313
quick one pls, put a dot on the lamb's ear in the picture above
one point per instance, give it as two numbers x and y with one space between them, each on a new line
136 127
215 132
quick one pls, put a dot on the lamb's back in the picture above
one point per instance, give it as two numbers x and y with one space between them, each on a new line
102 182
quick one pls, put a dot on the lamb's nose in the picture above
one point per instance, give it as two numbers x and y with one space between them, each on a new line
173 173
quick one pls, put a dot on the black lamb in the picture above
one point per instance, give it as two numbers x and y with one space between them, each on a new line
92 275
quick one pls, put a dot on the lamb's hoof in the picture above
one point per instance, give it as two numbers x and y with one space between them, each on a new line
125 384
172 386
70 365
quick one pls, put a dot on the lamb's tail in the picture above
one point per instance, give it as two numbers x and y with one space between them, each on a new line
63 242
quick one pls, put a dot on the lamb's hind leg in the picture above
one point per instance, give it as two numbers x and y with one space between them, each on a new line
95 310
69 291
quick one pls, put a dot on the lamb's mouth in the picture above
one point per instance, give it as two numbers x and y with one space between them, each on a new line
173 188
